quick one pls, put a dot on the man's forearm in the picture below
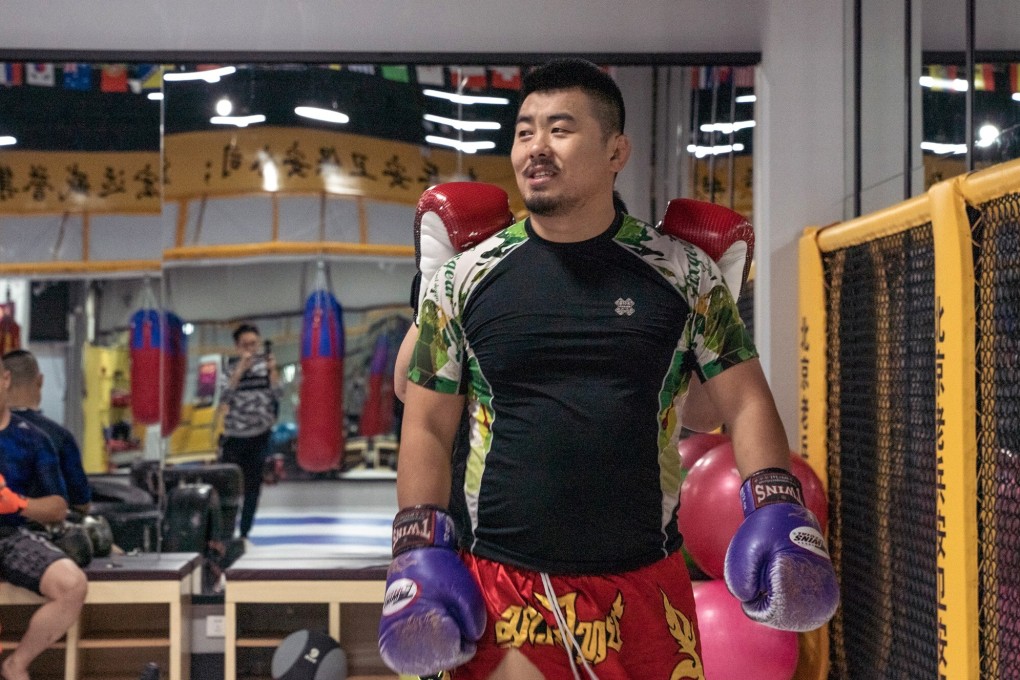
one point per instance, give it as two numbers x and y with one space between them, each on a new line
46 510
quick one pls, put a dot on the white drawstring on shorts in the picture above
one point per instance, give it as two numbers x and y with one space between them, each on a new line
566 635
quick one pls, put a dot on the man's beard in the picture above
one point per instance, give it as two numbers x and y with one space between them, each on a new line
545 206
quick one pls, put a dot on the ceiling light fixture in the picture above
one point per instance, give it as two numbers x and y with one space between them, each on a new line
1016 96
957 84
702 151
224 107
7 140
325 115
465 98
465 147
746 99
465 125
239 121
212 75
987 135
727 128
155 96
943 149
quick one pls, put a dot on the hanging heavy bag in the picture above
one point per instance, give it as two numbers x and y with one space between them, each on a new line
320 437
159 364
377 413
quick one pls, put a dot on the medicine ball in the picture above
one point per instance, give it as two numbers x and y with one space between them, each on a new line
309 655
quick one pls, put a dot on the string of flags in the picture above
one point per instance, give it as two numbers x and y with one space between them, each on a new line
83 77
984 76
142 78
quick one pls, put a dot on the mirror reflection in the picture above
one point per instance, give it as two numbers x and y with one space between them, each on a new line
278 181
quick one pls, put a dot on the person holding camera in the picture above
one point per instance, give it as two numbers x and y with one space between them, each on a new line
249 399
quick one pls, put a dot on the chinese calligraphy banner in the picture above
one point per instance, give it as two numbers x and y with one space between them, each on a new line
36 182
297 160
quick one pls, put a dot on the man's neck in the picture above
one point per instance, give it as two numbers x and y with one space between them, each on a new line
580 225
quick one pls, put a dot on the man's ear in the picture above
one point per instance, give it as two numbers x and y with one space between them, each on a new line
621 152
39 380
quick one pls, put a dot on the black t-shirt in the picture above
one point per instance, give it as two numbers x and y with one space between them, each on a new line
575 358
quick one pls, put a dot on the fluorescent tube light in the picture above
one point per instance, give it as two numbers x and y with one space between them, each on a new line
213 75
466 147
465 125
702 151
7 140
943 149
727 128
325 115
465 98
239 121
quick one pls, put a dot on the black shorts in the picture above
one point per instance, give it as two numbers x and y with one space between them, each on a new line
25 556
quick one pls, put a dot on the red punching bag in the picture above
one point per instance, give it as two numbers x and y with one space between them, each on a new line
320 437
377 415
159 363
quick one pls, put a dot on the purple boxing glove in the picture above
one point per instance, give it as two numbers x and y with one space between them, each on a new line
777 563
433 610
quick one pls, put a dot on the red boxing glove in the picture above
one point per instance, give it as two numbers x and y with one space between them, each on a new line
452 217
725 236
10 502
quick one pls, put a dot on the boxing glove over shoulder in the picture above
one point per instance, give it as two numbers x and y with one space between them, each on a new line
452 217
725 235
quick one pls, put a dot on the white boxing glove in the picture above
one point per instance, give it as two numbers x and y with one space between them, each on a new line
725 235
452 217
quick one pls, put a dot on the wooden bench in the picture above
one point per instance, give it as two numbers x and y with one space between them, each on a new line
138 603
329 583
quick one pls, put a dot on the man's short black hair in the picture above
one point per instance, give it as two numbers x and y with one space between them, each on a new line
245 328
22 366
571 72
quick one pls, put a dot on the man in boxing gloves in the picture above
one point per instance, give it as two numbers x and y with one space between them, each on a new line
573 337
32 488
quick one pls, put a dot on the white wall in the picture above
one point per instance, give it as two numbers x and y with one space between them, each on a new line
385 25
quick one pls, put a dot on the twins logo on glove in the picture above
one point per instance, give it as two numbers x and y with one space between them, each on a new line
433 611
777 564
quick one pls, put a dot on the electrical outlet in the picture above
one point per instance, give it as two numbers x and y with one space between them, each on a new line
214 627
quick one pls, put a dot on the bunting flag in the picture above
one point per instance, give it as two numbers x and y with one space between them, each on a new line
11 73
143 77
398 74
430 75
474 77
942 76
114 78
984 78
506 77
743 76
77 77
41 74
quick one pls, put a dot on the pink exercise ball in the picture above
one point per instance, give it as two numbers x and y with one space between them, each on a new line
694 446
733 647
710 511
